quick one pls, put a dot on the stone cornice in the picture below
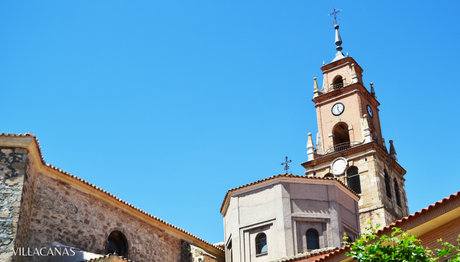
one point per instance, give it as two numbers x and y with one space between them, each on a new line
367 148
341 63
348 90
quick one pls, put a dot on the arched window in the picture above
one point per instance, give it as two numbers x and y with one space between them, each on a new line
398 199
338 83
118 244
387 184
341 137
261 243
312 239
329 175
353 179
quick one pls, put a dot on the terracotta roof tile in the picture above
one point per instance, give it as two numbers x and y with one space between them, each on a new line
420 213
340 250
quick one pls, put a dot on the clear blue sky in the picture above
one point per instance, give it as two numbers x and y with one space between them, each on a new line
168 104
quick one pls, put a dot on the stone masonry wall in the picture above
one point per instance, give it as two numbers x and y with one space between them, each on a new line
198 255
71 217
13 162
26 209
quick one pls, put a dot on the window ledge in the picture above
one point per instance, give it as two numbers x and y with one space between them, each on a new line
262 254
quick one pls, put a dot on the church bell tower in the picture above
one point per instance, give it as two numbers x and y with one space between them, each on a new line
350 145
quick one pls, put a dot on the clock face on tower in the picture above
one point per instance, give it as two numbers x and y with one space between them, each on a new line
337 109
369 110
339 165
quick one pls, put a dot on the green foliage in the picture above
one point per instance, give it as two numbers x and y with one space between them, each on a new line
448 249
399 246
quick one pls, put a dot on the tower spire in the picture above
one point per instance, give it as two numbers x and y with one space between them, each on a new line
338 42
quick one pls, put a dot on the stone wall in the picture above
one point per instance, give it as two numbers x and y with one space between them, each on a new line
198 255
73 218
13 162
371 166
26 209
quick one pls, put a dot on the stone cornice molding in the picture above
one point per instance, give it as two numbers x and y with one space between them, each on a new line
368 148
348 90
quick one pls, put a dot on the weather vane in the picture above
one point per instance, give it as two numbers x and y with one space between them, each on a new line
285 164
334 13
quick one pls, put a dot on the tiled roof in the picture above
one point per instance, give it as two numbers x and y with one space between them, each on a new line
420 213
102 190
220 245
283 176
402 221
300 256
340 250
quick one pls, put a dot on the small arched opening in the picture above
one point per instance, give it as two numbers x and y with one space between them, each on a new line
338 82
329 175
312 239
341 137
398 199
261 243
353 180
387 184
117 244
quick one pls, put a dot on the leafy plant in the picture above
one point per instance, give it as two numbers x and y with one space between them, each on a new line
399 246
449 249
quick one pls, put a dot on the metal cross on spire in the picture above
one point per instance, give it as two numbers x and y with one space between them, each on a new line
285 164
334 13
